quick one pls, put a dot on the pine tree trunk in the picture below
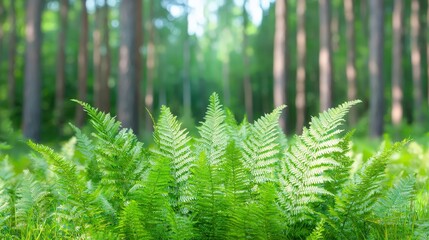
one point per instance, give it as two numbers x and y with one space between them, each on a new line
96 57
416 62
150 67
301 40
32 82
127 65
139 58
279 61
12 57
325 55
104 95
61 64
351 56
397 73
376 35
247 84
82 64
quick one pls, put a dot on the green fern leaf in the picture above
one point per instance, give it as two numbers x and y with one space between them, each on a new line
173 143
261 148
303 173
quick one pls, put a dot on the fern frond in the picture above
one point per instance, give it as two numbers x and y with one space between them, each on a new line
32 205
213 133
317 233
5 206
130 223
261 149
173 143
303 173
106 126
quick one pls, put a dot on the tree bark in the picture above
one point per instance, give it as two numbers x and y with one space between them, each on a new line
301 41
397 73
247 84
139 57
416 62
61 64
104 96
376 35
32 82
186 66
127 82
96 57
12 56
325 55
82 64
351 56
150 67
279 61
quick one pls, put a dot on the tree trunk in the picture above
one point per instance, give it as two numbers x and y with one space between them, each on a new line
32 84
104 96
97 58
127 82
301 40
247 84
61 65
138 56
279 61
150 67
325 55
82 64
397 74
351 56
226 82
376 35
186 66
416 62
12 56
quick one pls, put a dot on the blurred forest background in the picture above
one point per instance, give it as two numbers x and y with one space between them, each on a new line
127 56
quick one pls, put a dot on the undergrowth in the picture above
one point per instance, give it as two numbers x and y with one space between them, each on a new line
232 181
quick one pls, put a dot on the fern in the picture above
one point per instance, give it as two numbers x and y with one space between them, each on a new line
261 148
355 203
302 174
173 143
130 223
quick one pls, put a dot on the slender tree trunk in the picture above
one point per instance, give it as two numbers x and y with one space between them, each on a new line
301 41
416 62
351 56
139 57
61 64
32 85
279 61
82 64
325 55
427 46
247 84
397 74
104 95
376 35
96 56
2 17
186 66
12 56
150 67
127 65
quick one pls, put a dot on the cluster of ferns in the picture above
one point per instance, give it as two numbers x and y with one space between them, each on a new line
232 181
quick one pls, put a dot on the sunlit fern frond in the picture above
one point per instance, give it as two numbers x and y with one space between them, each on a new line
261 149
173 143
106 126
213 132
303 172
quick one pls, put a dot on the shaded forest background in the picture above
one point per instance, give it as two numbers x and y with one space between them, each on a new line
130 57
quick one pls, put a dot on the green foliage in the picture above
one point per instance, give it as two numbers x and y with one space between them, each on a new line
233 181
